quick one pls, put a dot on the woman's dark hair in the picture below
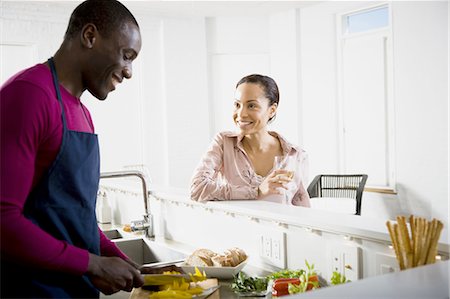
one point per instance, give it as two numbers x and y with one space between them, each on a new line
106 15
268 84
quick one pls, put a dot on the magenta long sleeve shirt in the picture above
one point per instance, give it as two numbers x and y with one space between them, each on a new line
31 135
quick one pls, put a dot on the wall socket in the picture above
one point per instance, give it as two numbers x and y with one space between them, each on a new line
273 248
345 260
385 263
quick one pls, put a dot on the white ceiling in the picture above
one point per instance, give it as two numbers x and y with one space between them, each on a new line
213 8
169 8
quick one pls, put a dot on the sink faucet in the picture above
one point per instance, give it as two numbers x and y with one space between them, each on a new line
147 223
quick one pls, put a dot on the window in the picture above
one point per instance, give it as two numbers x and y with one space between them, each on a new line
367 20
365 96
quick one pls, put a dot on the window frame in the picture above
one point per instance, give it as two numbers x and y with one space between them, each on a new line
341 37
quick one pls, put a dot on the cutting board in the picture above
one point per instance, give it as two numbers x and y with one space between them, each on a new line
140 293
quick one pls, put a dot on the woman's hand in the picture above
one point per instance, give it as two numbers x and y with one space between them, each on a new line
112 274
275 180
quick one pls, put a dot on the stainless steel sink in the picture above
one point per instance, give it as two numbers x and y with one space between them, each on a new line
144 252
148 252
113 234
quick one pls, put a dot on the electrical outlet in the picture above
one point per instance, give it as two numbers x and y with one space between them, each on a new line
273 248
276 253
345 260
385 263
337 262
266 246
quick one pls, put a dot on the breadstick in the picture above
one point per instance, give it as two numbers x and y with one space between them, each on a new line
405 241
401 247
423 243
418 232
391 229
431 230
413 231
413 227
431 258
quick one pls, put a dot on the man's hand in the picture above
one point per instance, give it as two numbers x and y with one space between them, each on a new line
112 274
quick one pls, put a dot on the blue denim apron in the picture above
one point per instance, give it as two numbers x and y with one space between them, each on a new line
63 205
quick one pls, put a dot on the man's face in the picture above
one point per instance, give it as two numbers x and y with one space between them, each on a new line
111 60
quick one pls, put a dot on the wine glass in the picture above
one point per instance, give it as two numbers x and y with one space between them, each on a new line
286 163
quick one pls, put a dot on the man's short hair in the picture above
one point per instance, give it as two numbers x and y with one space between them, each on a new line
106 15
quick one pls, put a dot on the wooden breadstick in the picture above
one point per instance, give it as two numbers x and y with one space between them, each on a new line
405 242
392 233
431 258
417 233
431 229
401 247
423 243
413 231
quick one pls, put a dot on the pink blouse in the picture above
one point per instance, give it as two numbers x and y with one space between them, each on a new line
226 173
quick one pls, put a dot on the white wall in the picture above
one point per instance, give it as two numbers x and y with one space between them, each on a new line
420 42
421 100
185 75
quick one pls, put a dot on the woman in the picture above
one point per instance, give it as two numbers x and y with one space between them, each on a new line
241 165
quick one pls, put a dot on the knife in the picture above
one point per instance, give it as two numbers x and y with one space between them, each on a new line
160 267
162 279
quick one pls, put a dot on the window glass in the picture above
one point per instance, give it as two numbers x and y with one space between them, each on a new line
367 20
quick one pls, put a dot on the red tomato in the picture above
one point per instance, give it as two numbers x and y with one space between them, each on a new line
312 279
278 280
281 285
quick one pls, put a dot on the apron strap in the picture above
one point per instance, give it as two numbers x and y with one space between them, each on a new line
51 63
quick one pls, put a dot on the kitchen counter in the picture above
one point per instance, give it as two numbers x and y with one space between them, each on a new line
430 281
223 292
327 234
364 228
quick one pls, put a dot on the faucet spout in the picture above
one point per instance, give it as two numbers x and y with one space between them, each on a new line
143 177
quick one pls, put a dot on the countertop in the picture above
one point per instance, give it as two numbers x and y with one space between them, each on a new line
320 220
430 281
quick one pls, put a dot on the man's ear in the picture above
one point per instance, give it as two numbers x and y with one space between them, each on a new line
88 36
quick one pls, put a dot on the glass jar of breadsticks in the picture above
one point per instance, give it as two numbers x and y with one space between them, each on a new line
415 244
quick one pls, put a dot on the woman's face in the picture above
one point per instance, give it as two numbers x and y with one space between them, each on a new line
251 108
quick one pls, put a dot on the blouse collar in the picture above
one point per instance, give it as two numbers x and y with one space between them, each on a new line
286 146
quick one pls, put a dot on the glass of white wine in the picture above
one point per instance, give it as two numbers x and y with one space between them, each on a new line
287 163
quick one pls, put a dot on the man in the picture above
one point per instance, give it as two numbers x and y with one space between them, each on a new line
51 246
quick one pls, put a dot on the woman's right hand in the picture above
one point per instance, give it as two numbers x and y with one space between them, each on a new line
275 180
112 274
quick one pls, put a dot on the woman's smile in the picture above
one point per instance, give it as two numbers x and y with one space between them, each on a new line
244 124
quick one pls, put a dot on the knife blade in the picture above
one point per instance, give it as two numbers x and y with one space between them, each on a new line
162 279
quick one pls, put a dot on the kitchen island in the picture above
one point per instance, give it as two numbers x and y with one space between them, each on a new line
358 247
430 281
278 236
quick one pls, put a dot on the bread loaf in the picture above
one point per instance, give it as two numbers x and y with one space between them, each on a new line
236 255
201 258
222 261
206 258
